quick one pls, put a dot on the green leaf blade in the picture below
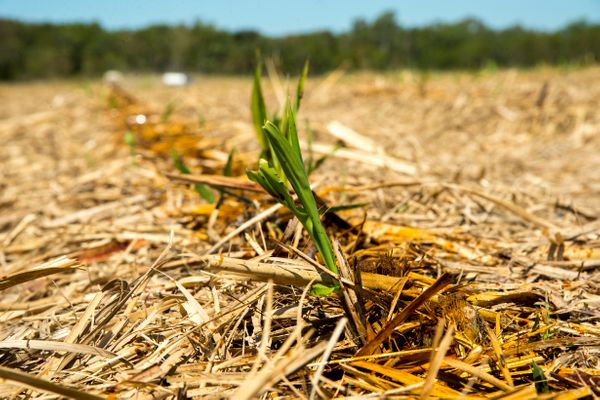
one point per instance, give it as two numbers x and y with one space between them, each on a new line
539 378
300 87
202 190
258 109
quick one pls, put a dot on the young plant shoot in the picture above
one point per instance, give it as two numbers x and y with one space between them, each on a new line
286 149
260 112
202 190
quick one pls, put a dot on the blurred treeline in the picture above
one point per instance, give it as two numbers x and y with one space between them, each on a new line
47 50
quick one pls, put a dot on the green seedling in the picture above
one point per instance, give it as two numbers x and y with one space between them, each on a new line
168 111
113 102
201 119
202 190
259 113
285 148
300 87
228 168
227 171
259 110
539 378
129 138
547 334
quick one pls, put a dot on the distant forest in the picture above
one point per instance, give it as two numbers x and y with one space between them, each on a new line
31 51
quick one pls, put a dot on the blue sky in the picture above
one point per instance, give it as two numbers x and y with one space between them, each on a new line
282 17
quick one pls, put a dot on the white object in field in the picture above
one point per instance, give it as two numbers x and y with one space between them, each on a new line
175 79
112 77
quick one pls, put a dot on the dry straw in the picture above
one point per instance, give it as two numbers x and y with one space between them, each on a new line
472 272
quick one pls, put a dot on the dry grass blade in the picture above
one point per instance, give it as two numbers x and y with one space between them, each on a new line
49 345
36 383
501 360
56 266
440 349
86 214
515 209
10 236
408 379
354 306
386 331
281 367
419 355
353 138
478 373
219 181
522 393
251 222
575 394
195 311
289 273
364 157
387 393
266 331
339 328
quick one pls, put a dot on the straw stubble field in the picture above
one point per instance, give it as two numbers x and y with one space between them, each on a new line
470 268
